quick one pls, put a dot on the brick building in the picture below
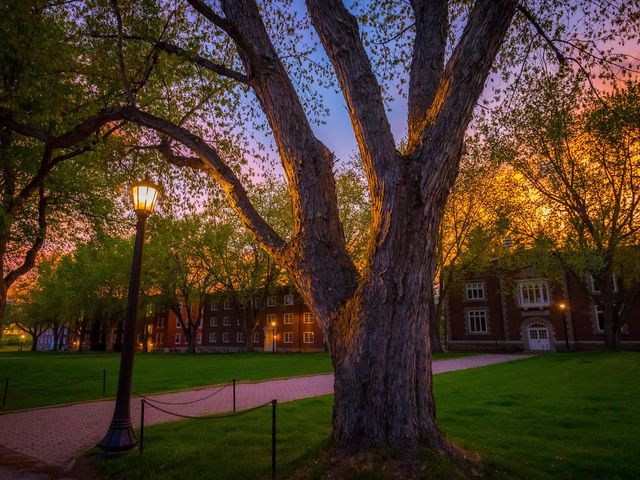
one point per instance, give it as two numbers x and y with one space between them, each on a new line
522 310
283 324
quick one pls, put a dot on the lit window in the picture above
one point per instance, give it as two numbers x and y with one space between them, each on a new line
226 321
271 301
213 322
226 337
256 337
240 337
308 337
533 293
288 318
177 338
288 337
288 299
213 338
477 320
474 291
307 317
227 304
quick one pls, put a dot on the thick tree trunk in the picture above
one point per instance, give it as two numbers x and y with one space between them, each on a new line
34 342
434 327
109 337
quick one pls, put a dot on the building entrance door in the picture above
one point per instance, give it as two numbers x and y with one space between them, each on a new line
269 339
539 337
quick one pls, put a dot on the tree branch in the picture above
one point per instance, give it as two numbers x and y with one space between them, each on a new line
532 19
30 257
338 31
121 64
427 64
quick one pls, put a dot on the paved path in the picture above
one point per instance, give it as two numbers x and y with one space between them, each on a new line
57 435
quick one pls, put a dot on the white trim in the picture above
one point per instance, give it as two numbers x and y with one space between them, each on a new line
287 337
538 287
308 337
475 287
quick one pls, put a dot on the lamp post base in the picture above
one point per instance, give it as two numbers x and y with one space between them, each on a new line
119 438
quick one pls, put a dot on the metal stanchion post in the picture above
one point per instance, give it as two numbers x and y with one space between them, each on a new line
142 402
274 404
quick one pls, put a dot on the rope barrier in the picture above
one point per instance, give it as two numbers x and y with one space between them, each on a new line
150 399
216 417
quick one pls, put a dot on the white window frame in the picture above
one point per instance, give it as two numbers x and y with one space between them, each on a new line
213 337
595 310
271 317
178 339
214 307
256 302
226 321
288 299
472 288
531 285
271 301
475 318
287 337
256 337
308 337
307 317
287 319
240 337
227 304
213 321
226 337
238 322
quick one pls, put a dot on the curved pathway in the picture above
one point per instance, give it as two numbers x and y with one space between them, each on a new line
57 435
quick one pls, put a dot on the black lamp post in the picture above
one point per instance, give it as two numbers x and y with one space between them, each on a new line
563 307
273 337
120 436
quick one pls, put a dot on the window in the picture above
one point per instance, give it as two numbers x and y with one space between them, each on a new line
533 293
238 322
477 320
474 291
226 337
213 338
271 301
214 307
308 337
226 321
595 287
161 323
256 302
307 317
240 337
213 322
199 338
178 322
288 299
162 308
177 338
271 317
227 304
288 318
288 337
598 317
256 337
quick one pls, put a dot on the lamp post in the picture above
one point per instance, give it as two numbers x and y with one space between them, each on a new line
273 337
563 308
120 436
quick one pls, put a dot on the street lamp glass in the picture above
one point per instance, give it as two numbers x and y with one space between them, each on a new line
144 195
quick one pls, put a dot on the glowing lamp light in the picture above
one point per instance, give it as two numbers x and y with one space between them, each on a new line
144 196
273 324
562 306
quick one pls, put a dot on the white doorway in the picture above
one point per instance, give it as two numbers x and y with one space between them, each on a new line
270 337
538 337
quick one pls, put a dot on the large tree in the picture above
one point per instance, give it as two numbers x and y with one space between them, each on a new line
376 320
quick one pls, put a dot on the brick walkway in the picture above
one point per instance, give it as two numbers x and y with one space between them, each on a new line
57 435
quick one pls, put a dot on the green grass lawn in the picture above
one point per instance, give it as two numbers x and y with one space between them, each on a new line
563 416
47 378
